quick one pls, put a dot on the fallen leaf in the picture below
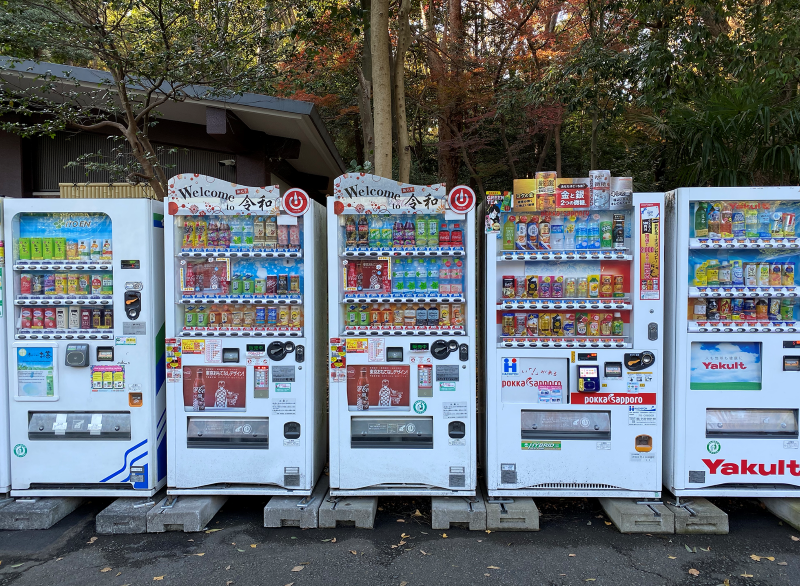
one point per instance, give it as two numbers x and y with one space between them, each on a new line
608 522
746 575
199 554
241 550
158 578
190 540
298 568
672 557
726 582
104 570
590 579
289 584
59 559
304 563
598 516
293 538
354 552
694 572
706 549
380 508
589 523
401 520
326 540
254 545
492 568
486 574
18 565
227 567
333 540
92 540
403 583
488 531
444 535
212 530
424 552
572 555
229 582
758 558
782 564
795 538
417 513
423 532
480 541
689 549
118 574
404 536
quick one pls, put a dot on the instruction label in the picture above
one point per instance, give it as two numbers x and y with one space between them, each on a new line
455 410
213 351
283 374
108 378
641 415
446 372
284 406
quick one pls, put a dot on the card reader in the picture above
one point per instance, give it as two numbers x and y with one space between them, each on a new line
589 378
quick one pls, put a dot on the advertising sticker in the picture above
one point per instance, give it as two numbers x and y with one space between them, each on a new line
725 366
214 388
378 387
35 372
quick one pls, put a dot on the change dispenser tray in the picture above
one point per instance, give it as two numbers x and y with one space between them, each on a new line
752 423
392 433
566 425
228 433
79 426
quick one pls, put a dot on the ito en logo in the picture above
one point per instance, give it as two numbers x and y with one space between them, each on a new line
420 407
509 366
20 450
713 447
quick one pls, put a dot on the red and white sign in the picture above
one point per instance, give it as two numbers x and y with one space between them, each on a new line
572 196
461 199
612 398
745 467
295 202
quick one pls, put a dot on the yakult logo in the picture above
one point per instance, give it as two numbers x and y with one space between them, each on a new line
744 468
724 366
509 366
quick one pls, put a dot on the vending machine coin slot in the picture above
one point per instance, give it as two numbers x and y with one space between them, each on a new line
463 353
394 354
652 331
230 355
456 429
588 379
300 353
643 443
291 430
77 355
276 351
639 360
439 350
105 353
133 304
612 369
791 363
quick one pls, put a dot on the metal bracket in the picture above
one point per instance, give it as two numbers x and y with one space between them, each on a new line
651 505
471 500
147 503
170 502
335 500
305 501
685 505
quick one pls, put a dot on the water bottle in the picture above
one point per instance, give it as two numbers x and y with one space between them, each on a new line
594 232
398 277
763 223
444 277
569 233
433 277
422 277
411 276
581 234
557 233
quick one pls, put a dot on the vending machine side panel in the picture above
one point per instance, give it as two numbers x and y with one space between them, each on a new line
5 448
333 342
316 242
158 347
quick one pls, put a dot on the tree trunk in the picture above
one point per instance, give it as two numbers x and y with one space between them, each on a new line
365 92
595 127
403 42
381 87
546 147
507 148
558 149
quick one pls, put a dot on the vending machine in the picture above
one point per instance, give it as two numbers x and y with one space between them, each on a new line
5 451
733 346
574 308
86 347
401 275
246 348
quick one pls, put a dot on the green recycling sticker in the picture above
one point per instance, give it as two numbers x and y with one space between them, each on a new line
20 450
420 407
713 447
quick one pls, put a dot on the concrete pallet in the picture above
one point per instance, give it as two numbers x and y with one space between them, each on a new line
697 516
37 513
187 513
631 516
127 515
456 509
296 511
512 514
352 509
786 509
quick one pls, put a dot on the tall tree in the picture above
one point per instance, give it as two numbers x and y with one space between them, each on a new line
381 86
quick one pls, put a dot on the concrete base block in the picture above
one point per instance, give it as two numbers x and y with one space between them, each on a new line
126 515
455 509
37 513
631 517
296 511
355 509
521 514
187 513
697 516
786 509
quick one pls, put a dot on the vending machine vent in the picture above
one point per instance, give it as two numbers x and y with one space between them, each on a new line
752 423
563 425
576 485
227 433
79 426
392 433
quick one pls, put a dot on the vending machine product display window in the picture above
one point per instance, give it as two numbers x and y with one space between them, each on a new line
402 339
86 350
732 301
573 317
245 326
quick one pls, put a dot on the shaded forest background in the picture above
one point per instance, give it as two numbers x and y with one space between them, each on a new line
671 92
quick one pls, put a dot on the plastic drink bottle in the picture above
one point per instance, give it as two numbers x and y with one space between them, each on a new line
701 221
569 233
557 233
726 220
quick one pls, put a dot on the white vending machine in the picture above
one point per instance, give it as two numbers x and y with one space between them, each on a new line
733 346
86 347
401 277
574 314
5 449
246 348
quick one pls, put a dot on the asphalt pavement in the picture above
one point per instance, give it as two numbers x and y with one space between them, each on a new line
576 545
